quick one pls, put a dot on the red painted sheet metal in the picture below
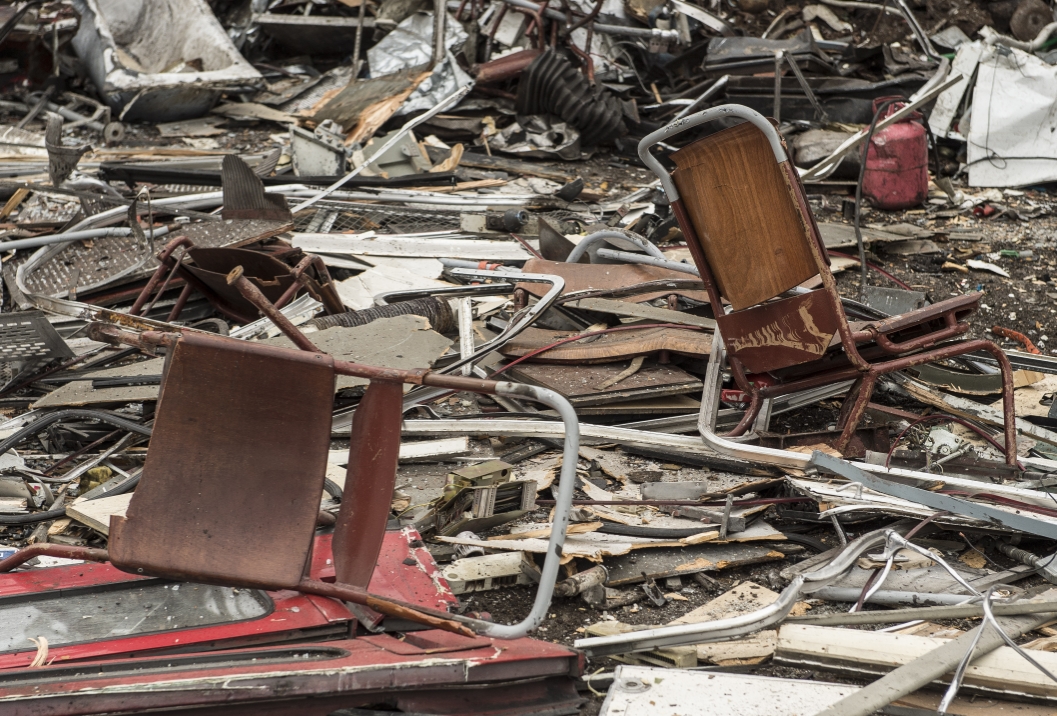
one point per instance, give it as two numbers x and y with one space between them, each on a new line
363 669
293 612
308 670
374 446
394 577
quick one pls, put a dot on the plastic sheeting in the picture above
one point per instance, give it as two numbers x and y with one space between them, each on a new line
1013 125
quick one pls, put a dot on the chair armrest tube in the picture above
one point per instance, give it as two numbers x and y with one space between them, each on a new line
562 507
618 235
631 258
708 115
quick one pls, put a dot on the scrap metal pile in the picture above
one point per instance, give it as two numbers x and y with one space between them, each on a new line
514 357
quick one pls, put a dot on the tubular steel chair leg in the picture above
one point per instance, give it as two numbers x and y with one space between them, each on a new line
852 410
1009 416
750 416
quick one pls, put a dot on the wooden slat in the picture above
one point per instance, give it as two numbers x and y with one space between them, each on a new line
752 233
610 347
96 513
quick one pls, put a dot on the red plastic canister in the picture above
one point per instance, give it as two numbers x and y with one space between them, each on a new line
897 172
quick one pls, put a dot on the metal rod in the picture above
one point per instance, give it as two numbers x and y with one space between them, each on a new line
440 12
898 616
65 551
37 241
253 294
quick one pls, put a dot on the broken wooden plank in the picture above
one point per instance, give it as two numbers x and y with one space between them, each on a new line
97 513
1002 671
609 347
421 450
641 310
436 247
584 385
690 560
503 164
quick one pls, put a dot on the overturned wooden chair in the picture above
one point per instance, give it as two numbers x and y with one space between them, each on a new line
742 209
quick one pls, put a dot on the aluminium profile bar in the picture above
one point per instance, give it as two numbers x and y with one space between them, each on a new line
734 627
1013 520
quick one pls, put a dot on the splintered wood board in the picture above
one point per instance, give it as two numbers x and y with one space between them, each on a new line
581 384
610 347
96 513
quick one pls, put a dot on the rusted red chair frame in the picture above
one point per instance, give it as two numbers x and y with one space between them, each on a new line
867 352
171 266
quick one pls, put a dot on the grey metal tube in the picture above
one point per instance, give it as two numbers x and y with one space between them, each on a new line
891 597
716 87
993 38
74 117
631 258
617 235
440 14
562 507
37 241
897 616
717 630
708 115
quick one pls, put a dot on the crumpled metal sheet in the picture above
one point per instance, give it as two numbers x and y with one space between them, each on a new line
551 85
541 137
411 45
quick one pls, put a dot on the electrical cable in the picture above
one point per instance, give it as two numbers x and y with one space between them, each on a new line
36 426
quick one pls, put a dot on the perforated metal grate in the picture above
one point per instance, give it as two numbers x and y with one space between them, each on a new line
340 217
29 335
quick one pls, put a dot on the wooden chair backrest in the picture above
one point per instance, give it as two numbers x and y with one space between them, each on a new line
751 227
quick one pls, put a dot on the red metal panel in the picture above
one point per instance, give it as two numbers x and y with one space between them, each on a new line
364 674
418 583
374 447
